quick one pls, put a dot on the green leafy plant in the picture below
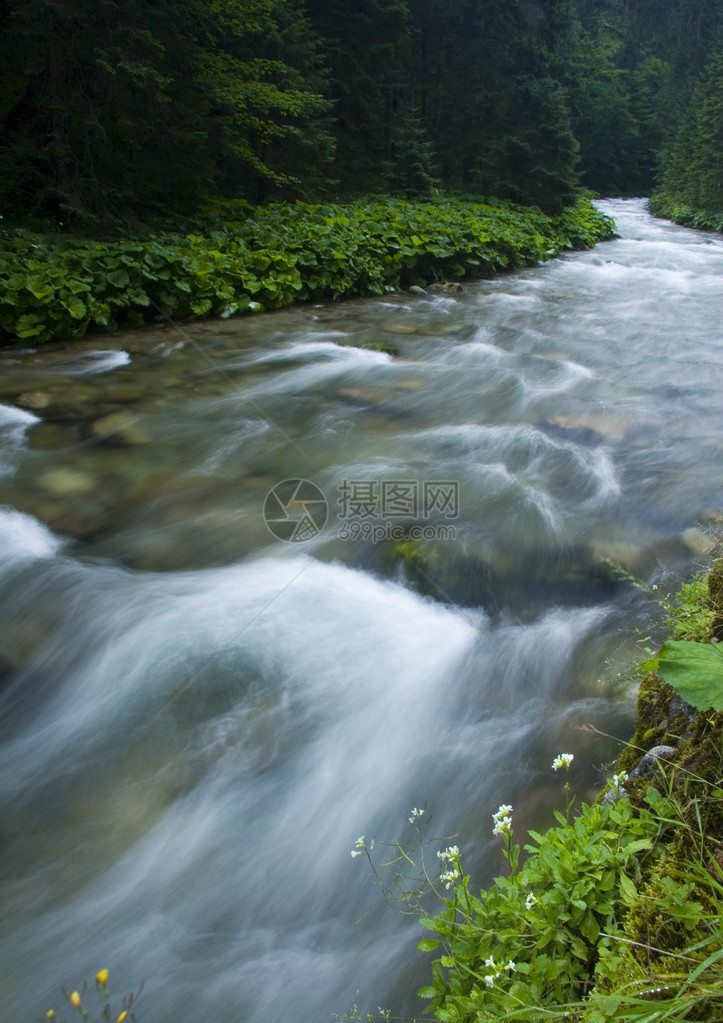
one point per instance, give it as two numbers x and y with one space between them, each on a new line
234 258
694 670
553 939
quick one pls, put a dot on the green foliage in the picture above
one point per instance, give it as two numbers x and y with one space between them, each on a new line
235 258
113 113
615 915
691 615
688 662
694 670
692 187
550 920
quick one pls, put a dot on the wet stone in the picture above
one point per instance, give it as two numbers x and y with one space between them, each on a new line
358 395
120 428
66 482
35 400
400 328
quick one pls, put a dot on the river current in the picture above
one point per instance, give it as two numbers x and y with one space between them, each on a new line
210 687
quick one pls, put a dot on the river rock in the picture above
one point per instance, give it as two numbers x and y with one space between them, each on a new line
400 328
647 765
609 427
358 395
697 541
444 288
35 400
416 290
120 428
66 482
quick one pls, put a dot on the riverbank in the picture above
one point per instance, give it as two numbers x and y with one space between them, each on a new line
672 208
235 258
616 914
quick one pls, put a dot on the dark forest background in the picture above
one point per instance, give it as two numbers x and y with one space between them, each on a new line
118 111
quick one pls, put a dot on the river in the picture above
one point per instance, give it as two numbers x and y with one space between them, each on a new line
199 718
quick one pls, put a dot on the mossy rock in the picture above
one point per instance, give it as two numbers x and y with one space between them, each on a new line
380 346
715 585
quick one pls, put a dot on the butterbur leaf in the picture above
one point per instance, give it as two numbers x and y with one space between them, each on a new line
75 306
694 670
28 326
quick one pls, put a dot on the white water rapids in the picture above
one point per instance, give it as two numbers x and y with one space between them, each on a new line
197 720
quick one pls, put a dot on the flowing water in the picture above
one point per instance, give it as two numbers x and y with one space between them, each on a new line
200 719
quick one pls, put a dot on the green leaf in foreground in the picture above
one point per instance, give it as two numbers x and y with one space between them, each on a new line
694 670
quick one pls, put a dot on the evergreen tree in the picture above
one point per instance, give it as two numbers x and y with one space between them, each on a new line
367 48
411 167
115 109
695 172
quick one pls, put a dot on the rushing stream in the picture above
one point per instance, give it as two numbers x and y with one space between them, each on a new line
200 719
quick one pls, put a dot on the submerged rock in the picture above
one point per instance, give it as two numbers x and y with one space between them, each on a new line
120 428
444 288
609 427
35 400
66 482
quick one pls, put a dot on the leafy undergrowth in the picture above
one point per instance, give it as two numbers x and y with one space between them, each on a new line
673 208
617 912
234 258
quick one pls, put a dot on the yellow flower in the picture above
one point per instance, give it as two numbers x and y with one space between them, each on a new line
75 999
122 1017
102 977
50 1014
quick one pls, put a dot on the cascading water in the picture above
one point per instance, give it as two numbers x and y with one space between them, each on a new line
199 720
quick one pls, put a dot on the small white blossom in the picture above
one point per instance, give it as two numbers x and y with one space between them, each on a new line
503 826
489 981
502 821
490 962
355 853
530 902
563 760
511 966
415 814
449 854
618 779
358 846
449 877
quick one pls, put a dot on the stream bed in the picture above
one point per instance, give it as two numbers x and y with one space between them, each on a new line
267 584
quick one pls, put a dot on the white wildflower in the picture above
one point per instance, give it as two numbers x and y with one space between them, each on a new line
415 814
489 981
490 962
530 901
563 760
358 846
503 826
449 877
511 966
449 854
502 821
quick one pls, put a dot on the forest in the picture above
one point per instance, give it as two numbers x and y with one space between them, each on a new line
119 113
